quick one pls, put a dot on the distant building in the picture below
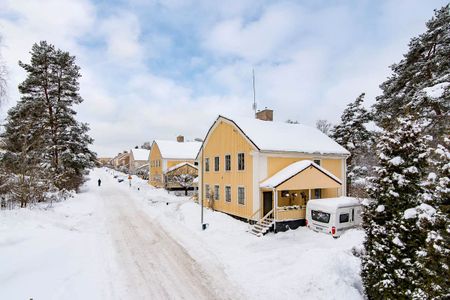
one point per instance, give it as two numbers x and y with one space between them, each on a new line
165 155
138 158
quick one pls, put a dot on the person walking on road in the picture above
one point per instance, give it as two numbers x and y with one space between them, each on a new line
99 182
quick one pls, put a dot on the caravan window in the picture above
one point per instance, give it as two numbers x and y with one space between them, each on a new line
320 216
343 218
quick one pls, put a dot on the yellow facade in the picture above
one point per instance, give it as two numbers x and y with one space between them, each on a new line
158 166
156 173
225 138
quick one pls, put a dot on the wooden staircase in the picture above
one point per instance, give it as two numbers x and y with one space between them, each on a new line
263 225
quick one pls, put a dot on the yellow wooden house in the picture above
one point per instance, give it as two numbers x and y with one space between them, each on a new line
170 156
265 172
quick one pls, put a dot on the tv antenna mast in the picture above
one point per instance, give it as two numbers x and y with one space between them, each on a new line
254 92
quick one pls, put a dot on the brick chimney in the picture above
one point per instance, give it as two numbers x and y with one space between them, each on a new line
180 139
265 115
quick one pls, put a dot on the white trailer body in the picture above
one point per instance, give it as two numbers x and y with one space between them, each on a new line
333 215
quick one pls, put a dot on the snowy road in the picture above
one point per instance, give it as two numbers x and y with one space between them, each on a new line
155 266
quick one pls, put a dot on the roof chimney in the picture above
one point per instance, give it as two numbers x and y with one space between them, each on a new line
265 115
180 139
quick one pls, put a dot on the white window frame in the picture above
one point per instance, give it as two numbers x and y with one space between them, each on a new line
225 163
207 164
225 193
217 189
237 190
237 162
218 164
207 191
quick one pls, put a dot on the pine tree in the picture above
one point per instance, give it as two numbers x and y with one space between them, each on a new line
45 115
352 134
426 67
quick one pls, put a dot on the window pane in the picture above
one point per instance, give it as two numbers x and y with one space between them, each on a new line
206 164
343 218
227 162
241 161
216 163
241 195
207 193
216 192
228 193
317 161
320 216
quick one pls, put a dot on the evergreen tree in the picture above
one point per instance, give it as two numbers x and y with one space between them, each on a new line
425 68
394 241
352 134
48 94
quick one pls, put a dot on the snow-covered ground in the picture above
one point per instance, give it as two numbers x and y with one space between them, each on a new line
121 242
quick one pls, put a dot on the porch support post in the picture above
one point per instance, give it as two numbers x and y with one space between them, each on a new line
275 210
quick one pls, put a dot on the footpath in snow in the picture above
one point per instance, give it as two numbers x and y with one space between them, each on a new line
121 242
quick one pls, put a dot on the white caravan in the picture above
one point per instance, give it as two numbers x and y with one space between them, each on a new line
333 215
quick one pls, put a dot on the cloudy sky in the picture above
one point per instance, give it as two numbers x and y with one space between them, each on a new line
156 69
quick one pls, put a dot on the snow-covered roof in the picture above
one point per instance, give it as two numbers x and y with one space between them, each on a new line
292 170
333 203
140 154
286 137
178 150
180 165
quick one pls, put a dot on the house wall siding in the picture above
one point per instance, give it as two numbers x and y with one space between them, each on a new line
155 170
225 139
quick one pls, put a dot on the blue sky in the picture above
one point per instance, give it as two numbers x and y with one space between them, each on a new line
156 69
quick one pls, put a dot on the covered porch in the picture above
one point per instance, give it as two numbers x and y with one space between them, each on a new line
284 195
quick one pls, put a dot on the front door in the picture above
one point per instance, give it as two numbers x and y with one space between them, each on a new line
268 202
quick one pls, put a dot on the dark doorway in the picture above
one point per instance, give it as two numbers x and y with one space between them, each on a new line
268 202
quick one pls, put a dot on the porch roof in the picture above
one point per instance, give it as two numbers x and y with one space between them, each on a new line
294 169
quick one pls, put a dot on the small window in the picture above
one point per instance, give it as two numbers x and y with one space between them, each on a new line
241 161
195 163
206 164
353 214
343 218
317 193
317 162
216 163
227 162
207 191
241 195
320 216
216 192
228 193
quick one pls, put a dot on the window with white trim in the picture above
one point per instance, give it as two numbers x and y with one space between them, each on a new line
207 164
317 193
216 164
241 161
216 192
207 191
228 193
241 195
228 162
